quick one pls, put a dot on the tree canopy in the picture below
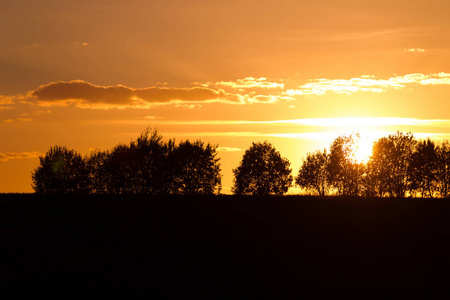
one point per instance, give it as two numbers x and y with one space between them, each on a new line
61 171
343 169
262 171
313 175
196 168
390 163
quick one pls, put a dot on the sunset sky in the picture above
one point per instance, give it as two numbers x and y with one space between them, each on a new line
93 74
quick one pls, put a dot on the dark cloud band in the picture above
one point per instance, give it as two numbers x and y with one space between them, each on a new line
85 93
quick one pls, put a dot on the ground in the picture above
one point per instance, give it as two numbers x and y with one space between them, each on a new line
223 247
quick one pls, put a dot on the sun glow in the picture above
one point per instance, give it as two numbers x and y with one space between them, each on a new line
362 149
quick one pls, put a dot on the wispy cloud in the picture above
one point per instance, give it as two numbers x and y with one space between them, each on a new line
253 90
310 135
358 122
228 149
6 100
341 86
214 133
6 108
352 122
318 129
263 99
367 84
24 119
437 79
369 136
18 155
251 83
415 50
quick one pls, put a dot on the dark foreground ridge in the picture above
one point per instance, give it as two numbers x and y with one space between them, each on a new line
223 247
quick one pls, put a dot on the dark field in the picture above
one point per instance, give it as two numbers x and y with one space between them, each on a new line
223 247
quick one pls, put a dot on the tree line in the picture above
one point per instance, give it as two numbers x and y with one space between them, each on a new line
147 165
399 166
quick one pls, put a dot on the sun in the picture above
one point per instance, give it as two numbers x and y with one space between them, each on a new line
362 149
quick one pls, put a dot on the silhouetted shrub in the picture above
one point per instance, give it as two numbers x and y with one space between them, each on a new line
137 168
98 175
61 171
313 174
423 168
262 171
344 171
390 162
443 168
196 168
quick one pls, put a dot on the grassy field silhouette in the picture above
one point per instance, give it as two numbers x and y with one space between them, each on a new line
222 247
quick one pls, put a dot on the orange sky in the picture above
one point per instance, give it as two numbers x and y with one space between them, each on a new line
92 74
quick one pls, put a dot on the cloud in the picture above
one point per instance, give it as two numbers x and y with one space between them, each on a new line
6 108
215 134
86 95
253 90
228 149
417 50
340 86
313 136
18 155
251 83
356 122
80 43
263 99
370 136
437 79
317 129
242 91
359 122
6 100
24 119
367 83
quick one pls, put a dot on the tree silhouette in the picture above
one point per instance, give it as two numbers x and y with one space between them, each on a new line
344 172
262 171
149 165
370 182
150 159
390 163
443 168
98 175
136 168
196 168
313 175
120 167
423 168
60 171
